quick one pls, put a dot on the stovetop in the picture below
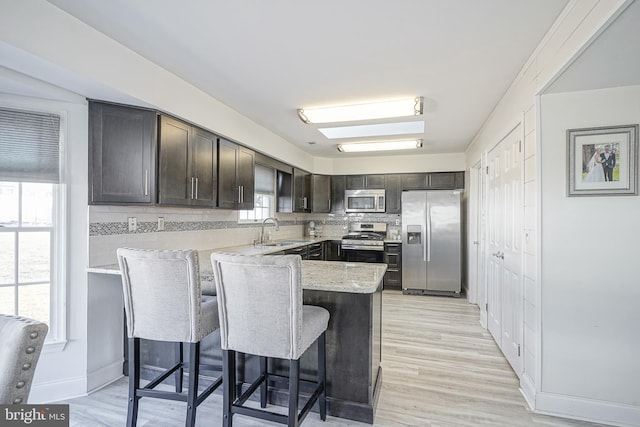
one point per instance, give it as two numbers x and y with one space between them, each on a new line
364 236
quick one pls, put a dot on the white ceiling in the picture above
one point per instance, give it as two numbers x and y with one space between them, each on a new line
265 59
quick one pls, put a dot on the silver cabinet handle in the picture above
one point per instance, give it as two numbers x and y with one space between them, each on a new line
146 182
329 205
196 188
242 194
239 193
192 187
304 203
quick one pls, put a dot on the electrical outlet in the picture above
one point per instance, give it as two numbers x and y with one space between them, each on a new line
397 222
133 224
160 223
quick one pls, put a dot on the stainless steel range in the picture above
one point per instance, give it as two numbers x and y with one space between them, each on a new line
365 242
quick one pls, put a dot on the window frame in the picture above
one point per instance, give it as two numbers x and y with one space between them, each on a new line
57 336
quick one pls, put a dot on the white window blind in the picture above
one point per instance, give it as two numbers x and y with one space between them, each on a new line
29 146
264 180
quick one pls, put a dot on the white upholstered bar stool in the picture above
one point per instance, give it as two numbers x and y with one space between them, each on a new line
21 342
163 301
261 313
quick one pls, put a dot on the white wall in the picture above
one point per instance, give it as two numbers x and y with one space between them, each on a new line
590 268
578 25
62 373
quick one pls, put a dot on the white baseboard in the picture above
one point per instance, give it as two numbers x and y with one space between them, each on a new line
528 391
54 391
616 414
104 376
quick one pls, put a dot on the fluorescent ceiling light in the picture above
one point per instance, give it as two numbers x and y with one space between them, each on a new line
349 113
380 146
402 128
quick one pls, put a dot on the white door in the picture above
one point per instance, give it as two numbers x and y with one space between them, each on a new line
494 244
511 252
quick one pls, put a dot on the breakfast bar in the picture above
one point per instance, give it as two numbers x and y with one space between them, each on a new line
351 292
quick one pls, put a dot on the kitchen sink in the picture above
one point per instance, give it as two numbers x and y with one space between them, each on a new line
286 243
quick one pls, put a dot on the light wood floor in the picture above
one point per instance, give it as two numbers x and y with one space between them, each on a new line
440 369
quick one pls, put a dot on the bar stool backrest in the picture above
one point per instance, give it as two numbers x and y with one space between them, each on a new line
259 304
162 294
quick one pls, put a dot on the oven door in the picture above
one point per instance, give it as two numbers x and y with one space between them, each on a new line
363 255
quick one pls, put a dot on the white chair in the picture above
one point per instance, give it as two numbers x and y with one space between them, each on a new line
163 301
261 313
21 341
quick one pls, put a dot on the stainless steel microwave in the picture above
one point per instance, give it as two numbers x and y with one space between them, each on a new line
364 200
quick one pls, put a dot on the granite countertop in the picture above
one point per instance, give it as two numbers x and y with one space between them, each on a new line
333 276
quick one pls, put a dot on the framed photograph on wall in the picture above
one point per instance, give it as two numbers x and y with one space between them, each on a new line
603 161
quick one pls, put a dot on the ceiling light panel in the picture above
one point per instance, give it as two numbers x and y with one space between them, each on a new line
371 111
380 146
380 129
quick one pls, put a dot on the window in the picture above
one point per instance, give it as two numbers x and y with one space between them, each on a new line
30 200
264 203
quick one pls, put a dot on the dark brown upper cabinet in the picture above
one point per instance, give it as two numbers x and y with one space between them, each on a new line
338 185
301 190
360 182
320 193
235 176
122 155
188 163
393 194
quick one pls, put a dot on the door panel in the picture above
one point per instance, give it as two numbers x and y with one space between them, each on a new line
443 241
414 266
504 256
512 294
494 222
204 168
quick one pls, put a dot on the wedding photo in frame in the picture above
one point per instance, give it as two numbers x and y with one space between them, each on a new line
603 161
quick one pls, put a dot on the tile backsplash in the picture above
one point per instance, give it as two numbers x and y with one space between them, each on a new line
201 228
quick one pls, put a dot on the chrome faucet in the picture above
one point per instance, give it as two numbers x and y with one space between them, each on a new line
275 223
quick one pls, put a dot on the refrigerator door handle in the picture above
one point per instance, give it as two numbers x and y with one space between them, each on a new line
428 243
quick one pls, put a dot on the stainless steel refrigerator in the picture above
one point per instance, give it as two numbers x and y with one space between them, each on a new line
431 242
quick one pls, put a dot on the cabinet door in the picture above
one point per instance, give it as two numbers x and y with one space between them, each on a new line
122 153
414 181
393 190
205 155
228 191
321 193
337 194
301 190
442 181
374 181
175 184
355 182
284 192
246 177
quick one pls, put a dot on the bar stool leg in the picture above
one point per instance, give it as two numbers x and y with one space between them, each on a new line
134 381
180 371
322 369
294 378
263 386
228 386
192 393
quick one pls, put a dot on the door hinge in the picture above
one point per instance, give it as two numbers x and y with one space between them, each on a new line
486 306
520 146
487 170
518 350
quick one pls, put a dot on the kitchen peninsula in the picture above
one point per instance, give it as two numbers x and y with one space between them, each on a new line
351 292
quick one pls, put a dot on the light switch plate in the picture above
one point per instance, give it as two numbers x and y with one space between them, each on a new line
133 224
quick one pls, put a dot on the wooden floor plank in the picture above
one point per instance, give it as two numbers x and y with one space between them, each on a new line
440 369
